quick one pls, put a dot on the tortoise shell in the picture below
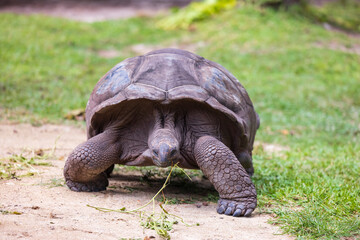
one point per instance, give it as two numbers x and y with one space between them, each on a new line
170 75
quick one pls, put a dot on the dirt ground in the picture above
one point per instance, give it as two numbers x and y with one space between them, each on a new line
37 207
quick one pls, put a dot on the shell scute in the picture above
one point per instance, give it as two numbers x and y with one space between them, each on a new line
111 82
138 90
221 87
188 91
165 71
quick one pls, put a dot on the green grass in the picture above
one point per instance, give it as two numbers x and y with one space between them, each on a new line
341 13
313 190
304 86
17 166
49 65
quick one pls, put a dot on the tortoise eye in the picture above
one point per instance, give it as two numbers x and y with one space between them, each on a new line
156 154
172 153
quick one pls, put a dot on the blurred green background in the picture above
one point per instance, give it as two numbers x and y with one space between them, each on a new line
299 62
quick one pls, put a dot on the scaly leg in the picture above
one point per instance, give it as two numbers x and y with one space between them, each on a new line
86 168
223 169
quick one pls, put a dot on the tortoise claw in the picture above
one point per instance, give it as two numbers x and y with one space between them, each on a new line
94 186
221 209
236 208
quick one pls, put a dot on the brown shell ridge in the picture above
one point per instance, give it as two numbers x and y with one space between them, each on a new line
246 142
140 61
176 52
231 77
214 103
149 86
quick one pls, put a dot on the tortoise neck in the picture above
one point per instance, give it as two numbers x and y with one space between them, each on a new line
165 121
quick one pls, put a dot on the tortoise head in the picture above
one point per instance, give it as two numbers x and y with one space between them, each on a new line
164 148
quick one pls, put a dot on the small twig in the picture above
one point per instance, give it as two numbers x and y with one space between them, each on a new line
54 148
152 200
159 224
181 169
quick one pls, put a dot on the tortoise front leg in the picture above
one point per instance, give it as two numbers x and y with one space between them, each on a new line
223 169
86 168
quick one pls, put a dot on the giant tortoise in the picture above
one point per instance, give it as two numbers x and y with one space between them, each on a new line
170 106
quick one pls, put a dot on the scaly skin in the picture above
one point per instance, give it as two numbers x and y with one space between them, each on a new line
86 168
223 169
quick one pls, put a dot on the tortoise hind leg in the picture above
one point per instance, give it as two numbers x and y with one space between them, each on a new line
109 170
223 169
246 161
86 168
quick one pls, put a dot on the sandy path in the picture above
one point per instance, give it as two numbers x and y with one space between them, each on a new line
49 212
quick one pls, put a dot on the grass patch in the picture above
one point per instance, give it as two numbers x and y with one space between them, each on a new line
195 11
55 182
185 180
313 190
6 212
303 84
49 65
160 222
341 13
22 165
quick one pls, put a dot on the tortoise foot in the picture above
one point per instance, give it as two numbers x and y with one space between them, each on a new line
236 208
97 185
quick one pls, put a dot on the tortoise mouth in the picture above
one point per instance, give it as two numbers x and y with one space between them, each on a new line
164 163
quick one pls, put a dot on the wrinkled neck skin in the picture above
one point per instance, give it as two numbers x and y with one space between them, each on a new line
164 142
